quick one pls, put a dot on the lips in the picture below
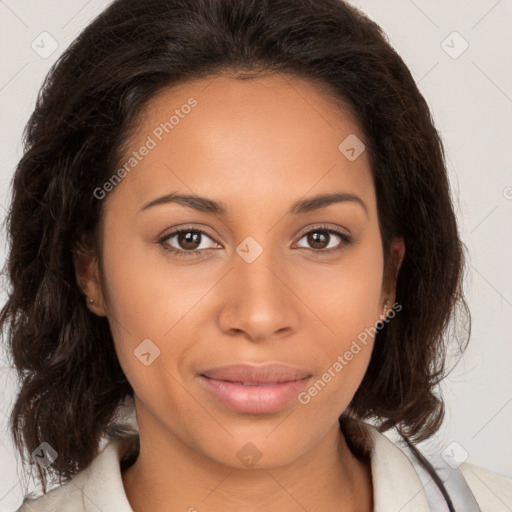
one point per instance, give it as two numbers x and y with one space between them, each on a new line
251 374
254 389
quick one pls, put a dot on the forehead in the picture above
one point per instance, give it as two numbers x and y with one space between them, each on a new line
264 138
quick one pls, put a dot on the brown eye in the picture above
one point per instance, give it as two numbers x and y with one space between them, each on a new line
318 239
322 239
187 241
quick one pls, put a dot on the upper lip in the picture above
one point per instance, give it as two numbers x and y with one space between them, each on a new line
266 373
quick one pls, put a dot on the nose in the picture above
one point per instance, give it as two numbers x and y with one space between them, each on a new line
258 299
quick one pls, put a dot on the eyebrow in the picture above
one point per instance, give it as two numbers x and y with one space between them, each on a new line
203 204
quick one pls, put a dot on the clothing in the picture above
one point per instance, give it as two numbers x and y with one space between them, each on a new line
397 485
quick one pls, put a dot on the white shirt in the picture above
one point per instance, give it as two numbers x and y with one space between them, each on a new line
397 486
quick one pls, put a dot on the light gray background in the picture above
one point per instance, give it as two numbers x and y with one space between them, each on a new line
471 98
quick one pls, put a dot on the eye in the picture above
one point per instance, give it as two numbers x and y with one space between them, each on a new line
320 239
189 241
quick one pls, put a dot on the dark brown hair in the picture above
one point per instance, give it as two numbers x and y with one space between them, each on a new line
71 381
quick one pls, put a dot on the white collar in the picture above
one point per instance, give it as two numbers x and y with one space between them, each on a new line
396 484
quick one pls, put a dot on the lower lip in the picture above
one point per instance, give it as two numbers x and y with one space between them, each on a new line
260 399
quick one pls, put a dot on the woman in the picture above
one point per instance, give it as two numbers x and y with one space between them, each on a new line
237 215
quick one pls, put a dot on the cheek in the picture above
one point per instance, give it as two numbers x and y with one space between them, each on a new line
147 296
351 291
349 309
155 308
138 299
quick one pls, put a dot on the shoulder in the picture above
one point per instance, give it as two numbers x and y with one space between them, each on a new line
401 483
492 491
97 487
66 497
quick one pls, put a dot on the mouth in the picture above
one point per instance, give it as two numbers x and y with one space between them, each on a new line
254 389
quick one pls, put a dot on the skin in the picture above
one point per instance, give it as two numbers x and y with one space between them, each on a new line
259 146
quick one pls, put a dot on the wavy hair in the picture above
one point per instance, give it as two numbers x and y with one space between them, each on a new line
71 380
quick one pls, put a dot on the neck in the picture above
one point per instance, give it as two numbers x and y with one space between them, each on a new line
330 477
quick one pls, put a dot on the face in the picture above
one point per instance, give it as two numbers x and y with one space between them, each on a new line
256 273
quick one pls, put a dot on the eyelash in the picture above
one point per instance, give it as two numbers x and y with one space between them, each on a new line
347 240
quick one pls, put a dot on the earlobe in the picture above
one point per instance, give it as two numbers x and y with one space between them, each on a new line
385 310
88 278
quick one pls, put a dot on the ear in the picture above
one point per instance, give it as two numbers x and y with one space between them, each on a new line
396 257
87 275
